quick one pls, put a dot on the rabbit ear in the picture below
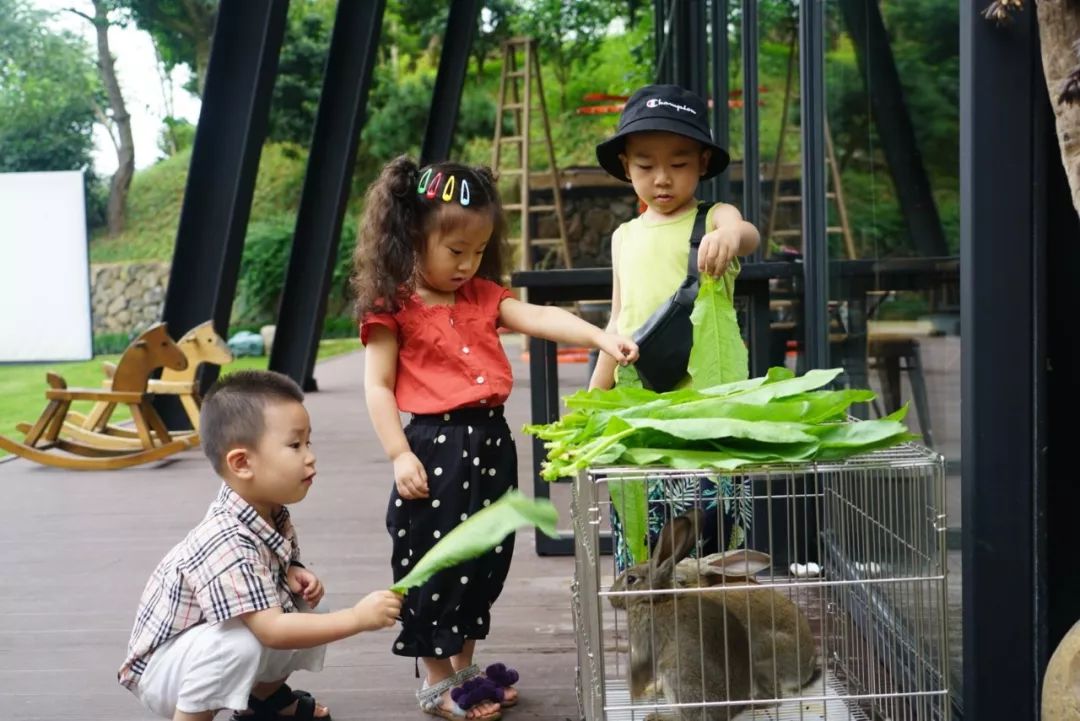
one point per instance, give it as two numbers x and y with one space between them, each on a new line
743 562
677 539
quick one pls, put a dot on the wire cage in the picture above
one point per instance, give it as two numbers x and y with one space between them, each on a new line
841 617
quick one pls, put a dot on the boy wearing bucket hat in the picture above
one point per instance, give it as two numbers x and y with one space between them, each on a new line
663 147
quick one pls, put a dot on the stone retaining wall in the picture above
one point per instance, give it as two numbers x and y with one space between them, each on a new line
127 297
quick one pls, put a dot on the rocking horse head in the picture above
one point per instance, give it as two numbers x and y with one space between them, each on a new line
202 344
152 349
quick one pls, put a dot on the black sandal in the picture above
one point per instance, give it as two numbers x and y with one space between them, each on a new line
267 709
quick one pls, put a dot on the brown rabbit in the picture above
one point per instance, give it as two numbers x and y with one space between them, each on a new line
687 646
783 653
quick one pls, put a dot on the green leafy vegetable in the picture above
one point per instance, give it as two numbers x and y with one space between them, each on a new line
718 354
481 532
722 422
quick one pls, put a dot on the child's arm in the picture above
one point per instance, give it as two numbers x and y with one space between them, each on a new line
380 377
556 324
604 373
279 630
730 238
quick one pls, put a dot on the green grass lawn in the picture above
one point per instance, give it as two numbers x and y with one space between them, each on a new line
22 386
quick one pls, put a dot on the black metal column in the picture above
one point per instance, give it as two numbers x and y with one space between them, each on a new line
1001 366
662 40
1062 388
689 46
719 50
224 162
449 81
751 131
814 212
326 188
893 122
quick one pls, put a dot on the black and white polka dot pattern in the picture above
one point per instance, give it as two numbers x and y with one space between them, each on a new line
471 461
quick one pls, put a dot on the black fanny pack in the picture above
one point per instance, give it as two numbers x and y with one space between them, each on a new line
665 339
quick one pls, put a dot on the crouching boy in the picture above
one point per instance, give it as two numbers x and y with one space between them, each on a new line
227 616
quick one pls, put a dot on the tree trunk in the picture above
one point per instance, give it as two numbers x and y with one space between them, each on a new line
125 144
202 61
1059 31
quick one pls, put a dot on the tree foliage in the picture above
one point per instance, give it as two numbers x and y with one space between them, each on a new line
181 30
48 85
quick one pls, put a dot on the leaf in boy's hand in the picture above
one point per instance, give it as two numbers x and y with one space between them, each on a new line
481 532
718 354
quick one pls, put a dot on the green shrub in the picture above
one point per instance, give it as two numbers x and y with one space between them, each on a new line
341 326
262 272
111 343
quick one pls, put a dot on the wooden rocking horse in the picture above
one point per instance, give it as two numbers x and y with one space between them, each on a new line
152 350
199 345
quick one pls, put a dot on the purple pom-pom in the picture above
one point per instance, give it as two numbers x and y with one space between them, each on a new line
501 675
474 691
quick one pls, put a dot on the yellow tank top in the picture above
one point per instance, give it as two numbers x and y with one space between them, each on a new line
652 265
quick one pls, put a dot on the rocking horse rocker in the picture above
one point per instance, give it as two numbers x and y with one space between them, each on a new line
152 350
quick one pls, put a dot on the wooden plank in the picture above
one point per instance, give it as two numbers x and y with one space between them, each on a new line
92 394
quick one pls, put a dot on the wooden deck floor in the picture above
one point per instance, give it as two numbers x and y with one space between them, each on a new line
78 547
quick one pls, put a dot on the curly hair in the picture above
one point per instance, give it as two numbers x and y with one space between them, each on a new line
398 219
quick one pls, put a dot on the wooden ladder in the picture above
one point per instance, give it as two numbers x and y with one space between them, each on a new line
834 187
517 100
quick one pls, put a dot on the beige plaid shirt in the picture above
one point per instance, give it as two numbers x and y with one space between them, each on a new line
232 563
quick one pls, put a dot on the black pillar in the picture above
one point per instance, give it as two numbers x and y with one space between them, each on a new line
449 81
893 122
221 179
326 188
814 211
1061 390
751 130
689 46
662 40
1002 234
718 45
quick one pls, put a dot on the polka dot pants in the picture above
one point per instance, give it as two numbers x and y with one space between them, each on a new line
471 461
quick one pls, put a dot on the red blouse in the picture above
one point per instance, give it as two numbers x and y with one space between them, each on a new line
449 356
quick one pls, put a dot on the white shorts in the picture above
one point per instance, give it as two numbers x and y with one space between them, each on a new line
212 667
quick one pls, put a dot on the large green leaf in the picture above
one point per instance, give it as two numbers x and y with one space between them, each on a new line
684 459
614 399
718 354
713 428
811 380
628 498
857 435
481 532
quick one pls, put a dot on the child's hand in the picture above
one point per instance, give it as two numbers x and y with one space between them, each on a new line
303 582
718 248
621 348
410 476
378 609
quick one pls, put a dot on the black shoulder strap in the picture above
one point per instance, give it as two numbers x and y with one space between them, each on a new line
695 237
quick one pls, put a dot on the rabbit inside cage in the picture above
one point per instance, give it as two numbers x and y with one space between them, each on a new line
802 594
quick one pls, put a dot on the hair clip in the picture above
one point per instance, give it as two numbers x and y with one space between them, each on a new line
433 188
466 198
422 186
448 190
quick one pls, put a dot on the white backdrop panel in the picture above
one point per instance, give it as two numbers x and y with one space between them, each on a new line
44 268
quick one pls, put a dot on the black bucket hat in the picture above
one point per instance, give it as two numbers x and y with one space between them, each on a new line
662 107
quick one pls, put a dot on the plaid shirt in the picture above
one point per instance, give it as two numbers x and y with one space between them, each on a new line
232 563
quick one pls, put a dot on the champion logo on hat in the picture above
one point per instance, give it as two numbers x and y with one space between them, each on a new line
657 102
